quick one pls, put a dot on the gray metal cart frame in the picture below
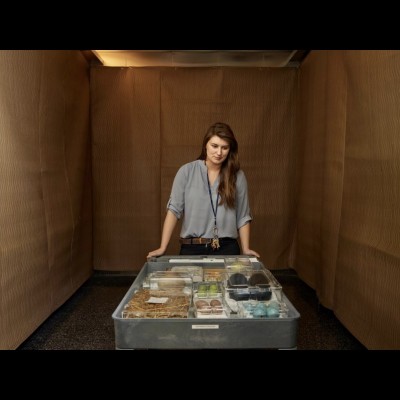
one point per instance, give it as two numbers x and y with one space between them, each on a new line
197 333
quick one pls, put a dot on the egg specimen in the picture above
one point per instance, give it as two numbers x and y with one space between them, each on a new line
215 303
200 304
258 278
237 279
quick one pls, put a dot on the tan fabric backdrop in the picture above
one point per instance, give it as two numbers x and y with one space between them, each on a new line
45 196
349 195
147 122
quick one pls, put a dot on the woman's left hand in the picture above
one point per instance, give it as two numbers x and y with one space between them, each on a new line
250 252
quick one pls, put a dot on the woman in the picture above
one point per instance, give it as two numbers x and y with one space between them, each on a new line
211 195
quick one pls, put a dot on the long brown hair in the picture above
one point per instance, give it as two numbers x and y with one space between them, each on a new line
230 167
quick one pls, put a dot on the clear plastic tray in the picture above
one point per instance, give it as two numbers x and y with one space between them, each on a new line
195 272
262 309
144 304
208 289
209 307
170 281
245 282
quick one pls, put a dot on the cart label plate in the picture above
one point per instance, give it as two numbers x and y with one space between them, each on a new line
213 326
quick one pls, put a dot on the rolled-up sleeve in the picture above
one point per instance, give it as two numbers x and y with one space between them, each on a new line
243 214
176 202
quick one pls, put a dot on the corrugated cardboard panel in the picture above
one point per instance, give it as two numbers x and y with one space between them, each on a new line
37 224
56 191
78 166
348 218
334 149
322 129
312 126
25 294
125 105
148 122
367 287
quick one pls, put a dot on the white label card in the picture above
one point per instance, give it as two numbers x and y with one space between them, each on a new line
157 300
213 326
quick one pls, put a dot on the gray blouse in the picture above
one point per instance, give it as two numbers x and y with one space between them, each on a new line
190 198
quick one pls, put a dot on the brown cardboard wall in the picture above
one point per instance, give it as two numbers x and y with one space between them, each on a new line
312 123
147 122
348 232
125 110
45 240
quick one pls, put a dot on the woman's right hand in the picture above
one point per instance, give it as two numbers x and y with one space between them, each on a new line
156 253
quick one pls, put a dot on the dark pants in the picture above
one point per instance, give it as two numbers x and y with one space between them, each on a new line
227 247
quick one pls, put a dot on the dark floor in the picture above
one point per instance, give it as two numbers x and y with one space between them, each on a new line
84 322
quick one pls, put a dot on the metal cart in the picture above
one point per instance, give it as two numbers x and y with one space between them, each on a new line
197 333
